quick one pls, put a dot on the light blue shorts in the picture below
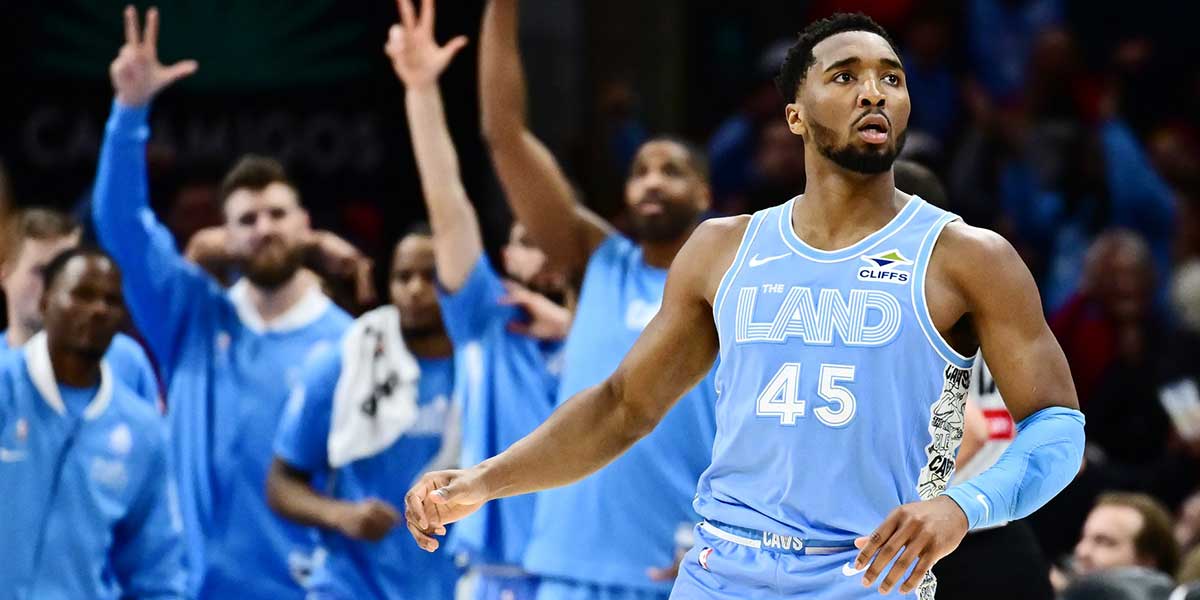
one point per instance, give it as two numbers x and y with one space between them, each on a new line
727 566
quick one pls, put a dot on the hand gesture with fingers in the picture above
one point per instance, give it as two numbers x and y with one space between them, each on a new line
547 320
369 520
919 532
415 54
438 499
137 74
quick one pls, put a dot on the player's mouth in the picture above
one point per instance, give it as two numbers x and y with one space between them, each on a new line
650 208
873 129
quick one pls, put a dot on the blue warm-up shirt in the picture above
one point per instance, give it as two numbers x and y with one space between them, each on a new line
394 567
84 491
129 365
614 525
227 376
507 388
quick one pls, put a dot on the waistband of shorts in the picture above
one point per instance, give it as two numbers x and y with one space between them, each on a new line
765 540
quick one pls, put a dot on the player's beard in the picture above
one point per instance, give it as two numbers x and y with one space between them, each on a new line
674 222
272 266
869 161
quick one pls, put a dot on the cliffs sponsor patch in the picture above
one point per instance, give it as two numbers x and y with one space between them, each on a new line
885 267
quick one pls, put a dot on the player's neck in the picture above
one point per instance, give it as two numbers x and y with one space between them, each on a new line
73 368
839 207
273 303
660 254
430 345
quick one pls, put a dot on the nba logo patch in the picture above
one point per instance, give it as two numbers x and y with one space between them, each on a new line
21 430
703 558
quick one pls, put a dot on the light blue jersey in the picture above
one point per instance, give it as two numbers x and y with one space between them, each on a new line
609 528
85 498
393 567
227 376
507 389
839 400
129 365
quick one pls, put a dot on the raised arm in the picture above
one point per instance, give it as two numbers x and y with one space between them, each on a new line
418 62
599 424
533 181
160 286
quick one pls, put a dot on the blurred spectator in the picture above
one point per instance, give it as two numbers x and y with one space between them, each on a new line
917 179
1001 35
932 83
1187 526
1104 326
777 171
1129 583
1189 573
1123 530
731 149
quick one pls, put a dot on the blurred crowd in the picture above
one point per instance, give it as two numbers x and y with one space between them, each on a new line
1079 148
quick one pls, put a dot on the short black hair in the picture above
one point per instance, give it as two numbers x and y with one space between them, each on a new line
800 56
697 158
56 265
253 172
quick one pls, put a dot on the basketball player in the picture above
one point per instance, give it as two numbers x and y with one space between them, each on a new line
608 537
228 356
845 319
511 376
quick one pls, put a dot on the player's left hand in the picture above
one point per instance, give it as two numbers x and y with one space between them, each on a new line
924 531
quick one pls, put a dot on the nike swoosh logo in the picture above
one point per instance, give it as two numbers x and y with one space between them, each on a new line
755 261
11 456
987 508
849 571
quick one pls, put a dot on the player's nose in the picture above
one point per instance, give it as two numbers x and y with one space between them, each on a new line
871 94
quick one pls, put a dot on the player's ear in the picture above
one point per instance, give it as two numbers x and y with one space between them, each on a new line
794 113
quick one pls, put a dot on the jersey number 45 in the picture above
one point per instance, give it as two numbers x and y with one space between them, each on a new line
781 397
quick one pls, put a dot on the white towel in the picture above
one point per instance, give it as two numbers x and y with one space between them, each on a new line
375 400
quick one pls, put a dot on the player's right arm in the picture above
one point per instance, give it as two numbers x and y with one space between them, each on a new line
532 179
673 354
419 62
160 286
301 453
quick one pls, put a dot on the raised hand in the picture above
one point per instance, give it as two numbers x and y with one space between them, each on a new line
547 320
369 520
440 498
137 74
415 54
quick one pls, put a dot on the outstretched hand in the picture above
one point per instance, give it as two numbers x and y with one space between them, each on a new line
415 54
438 499
137 74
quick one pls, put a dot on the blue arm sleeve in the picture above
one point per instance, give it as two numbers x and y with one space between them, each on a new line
303 435
1043 458
162 290
471 308
148 543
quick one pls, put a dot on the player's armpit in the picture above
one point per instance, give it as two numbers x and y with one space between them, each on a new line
1002 299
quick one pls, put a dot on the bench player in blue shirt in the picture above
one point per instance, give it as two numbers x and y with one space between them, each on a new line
228 357
844 319
84 468
613 535
509 374
353 504
36 236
